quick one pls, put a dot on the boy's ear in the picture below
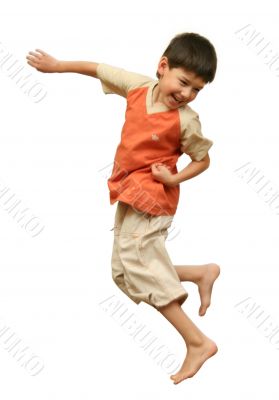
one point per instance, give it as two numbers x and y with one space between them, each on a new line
163 64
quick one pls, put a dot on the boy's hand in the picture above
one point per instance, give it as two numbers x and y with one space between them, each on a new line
162 174
42 61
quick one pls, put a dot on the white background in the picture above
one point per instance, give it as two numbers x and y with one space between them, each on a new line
51 155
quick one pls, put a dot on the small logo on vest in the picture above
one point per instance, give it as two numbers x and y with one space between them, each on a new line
154 136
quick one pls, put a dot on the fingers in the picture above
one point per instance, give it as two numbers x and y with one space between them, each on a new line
161 165
36 59
33 59
42 52
157 164
36 56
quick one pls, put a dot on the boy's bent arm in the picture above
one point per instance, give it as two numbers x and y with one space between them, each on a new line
193 169
44 62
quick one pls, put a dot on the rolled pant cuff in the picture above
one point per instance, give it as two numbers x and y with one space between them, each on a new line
180 297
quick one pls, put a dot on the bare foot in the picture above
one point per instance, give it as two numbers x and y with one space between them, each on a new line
196 356
205 284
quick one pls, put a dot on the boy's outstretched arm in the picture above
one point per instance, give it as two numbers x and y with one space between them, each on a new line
44 62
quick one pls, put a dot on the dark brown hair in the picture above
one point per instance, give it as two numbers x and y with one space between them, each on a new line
194 53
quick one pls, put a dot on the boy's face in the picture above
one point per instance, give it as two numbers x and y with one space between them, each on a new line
177 86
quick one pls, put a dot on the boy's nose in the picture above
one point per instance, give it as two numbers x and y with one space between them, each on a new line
186 93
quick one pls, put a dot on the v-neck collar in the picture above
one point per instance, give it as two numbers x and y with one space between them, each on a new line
154 108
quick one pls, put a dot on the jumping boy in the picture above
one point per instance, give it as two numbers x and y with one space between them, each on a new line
159 127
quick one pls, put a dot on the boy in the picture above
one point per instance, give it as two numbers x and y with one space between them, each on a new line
159 127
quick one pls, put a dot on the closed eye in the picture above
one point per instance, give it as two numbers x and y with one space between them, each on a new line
186 83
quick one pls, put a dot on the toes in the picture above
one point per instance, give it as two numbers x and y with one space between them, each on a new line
202 311
176 380
181 378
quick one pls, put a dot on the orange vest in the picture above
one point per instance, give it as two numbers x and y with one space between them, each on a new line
146 139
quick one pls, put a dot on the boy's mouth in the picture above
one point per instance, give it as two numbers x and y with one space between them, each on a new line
175 99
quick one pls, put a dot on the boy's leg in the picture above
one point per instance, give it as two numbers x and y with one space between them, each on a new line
204 276
118 275
199 347
147 269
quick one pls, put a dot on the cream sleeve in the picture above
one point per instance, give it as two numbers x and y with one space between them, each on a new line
118 80
193 142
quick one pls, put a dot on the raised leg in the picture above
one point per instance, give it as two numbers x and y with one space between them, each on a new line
204 277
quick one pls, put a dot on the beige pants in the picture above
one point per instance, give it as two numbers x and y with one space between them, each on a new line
141 266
